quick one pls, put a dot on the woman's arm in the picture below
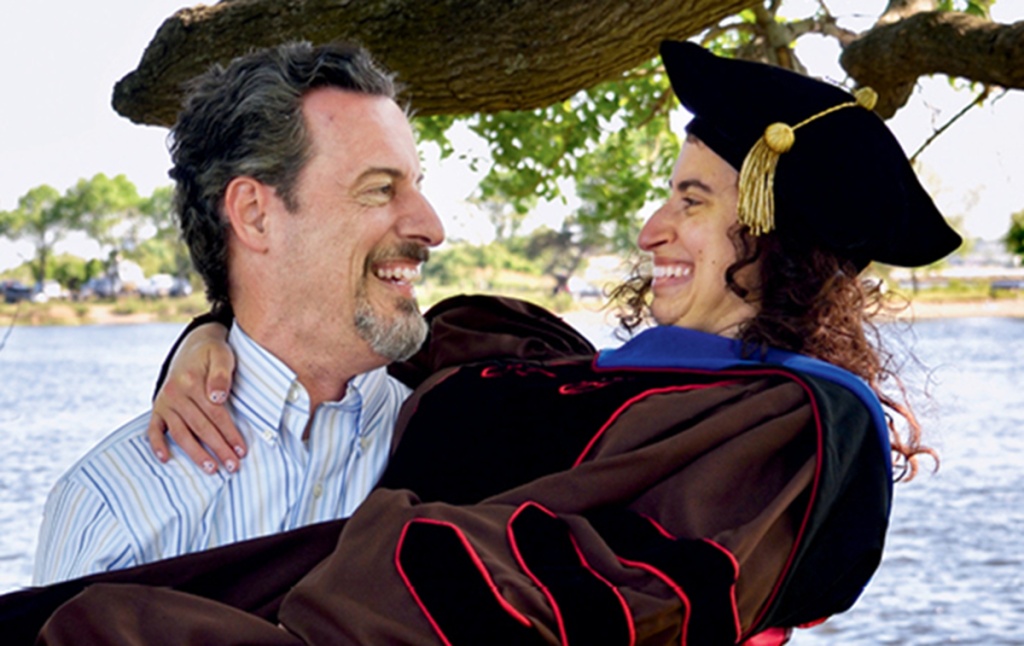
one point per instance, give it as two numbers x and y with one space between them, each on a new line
189 404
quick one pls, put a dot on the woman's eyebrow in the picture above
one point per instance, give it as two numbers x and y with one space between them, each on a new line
686 184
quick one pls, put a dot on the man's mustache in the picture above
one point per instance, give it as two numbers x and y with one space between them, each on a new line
401 251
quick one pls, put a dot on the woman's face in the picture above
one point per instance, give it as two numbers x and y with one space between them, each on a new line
689 241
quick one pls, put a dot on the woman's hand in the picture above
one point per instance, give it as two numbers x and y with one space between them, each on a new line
190 404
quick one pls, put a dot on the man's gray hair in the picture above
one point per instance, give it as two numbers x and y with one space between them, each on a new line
245 119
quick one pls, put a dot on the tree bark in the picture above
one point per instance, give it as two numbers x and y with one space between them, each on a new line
890 58
454 56
466 56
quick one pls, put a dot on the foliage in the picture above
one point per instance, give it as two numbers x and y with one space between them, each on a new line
107 209
164 252
22 273
41 218
980 8
606 143
1015 236
72 271
470 266
100 207
112 213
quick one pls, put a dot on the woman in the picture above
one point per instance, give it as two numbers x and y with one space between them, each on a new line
721 478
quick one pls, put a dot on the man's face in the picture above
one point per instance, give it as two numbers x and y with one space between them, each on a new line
353 246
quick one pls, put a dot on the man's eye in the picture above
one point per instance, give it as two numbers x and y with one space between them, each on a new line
384 189
689 202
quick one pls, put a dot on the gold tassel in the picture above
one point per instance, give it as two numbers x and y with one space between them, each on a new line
866 97
756 206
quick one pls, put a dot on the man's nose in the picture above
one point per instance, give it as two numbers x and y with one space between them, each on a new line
421 222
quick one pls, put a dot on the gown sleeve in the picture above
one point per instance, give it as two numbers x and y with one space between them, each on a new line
655 537
222 314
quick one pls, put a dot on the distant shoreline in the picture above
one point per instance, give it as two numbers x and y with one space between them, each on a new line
589 316
98 313
125 311
975 308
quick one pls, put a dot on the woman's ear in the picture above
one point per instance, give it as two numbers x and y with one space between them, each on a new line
245 205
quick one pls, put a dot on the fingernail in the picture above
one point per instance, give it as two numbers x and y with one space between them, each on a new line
240 451
209 467
218 396
230 465
160 455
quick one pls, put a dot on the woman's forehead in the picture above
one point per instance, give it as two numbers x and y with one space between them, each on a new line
698 165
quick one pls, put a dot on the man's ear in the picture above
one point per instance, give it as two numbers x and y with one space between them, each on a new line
246 201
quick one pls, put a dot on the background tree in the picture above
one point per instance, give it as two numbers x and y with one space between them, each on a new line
163 252
606 145
1015 236
112 213
72 271
43 220
108 210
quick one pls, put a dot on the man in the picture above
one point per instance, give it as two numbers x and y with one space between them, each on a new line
298 193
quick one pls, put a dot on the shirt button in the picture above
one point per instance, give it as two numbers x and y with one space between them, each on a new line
364 443
293 393
318 490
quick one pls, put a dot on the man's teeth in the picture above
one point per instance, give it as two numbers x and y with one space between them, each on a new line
672 271
398 273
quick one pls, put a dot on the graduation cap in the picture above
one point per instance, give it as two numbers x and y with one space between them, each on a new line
815 162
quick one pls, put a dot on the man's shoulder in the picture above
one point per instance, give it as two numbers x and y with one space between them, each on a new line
122 463
121 501
125 436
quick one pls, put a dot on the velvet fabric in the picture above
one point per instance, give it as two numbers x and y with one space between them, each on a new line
684 504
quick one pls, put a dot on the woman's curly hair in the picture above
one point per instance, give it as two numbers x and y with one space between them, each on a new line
810 301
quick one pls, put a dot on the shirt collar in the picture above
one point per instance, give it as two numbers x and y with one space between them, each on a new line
264 387
262 382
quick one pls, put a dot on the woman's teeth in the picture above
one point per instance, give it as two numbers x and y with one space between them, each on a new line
672 271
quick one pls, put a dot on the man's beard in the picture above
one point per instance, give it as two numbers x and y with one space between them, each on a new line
396 339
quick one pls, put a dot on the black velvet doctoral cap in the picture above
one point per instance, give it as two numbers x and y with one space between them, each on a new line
845 183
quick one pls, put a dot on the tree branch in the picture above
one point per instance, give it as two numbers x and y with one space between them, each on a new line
453 57
661 105
977 101
897 10
891 57
718 30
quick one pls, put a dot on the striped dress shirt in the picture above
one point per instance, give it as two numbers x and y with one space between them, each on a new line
119 507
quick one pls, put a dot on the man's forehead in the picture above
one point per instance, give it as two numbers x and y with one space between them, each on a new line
366 134
331 103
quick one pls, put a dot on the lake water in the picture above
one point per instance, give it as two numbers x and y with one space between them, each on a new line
953 570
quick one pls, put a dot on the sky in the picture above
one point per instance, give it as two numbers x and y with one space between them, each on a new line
60 59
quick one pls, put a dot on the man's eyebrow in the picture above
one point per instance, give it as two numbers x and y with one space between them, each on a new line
393 173
381 170
686 184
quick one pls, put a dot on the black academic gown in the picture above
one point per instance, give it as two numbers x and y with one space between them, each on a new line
647 496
